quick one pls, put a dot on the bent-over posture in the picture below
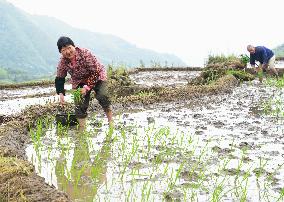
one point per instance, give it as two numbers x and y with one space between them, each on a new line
86 73
264 56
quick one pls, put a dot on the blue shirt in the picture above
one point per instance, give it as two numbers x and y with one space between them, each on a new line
262 55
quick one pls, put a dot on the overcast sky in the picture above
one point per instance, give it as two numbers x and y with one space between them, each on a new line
190 29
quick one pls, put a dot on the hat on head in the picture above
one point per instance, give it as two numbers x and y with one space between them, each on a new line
64 41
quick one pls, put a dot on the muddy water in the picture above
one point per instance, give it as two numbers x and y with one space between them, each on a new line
8 94
171 151
164 78
13 106
15 100
279 64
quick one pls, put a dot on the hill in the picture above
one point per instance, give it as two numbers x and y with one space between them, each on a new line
29 51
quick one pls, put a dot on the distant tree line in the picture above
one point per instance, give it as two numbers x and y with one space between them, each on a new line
16 76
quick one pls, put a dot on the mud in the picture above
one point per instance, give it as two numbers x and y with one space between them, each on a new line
24 85
14 137
163 78
20 183
200 100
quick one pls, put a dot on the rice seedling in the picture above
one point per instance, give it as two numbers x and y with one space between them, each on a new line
245 188
129 193
76 95
281 197
145 94
218 190
260 170
49 152
177 175
36 138
274 106
145 160
146 192
78 174
272 82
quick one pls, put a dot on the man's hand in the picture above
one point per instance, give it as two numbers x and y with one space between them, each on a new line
256 69
61 99
264 66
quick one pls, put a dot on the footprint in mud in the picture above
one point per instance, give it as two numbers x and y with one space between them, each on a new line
137 165
222 151
150 120
125 115
197 116
174 195
261 172
186 123
96 124
190 176
242 124
233 171
218 124
255 111
199 132
246 146
273 153
202 127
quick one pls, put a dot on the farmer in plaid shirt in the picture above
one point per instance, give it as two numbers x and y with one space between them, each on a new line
86 73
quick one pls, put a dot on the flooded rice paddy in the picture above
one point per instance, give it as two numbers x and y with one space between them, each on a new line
164 78
217 148
13 101
15 93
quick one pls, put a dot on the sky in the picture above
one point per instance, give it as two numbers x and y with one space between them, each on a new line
190 29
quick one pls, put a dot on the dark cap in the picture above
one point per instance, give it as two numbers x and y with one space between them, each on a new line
64 41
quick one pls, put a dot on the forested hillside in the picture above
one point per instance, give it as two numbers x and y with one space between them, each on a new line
29 51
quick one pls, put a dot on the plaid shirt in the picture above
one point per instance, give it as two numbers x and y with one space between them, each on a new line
86 70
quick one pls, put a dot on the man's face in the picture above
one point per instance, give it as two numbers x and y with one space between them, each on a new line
251 50
68 51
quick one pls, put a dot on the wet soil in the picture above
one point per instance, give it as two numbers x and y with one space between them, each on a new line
25 185
161 100
19 182
163 78
231 123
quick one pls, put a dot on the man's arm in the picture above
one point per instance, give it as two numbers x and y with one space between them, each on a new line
265 58
252 60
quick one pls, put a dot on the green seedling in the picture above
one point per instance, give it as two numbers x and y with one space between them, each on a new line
76 95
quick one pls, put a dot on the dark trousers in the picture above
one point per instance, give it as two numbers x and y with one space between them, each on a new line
101 95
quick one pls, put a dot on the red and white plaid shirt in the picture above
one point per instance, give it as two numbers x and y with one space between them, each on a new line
86 70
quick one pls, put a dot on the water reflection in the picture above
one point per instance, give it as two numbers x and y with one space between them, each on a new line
161 159
86 174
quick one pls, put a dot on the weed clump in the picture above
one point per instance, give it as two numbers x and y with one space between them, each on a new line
219 66
11 166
